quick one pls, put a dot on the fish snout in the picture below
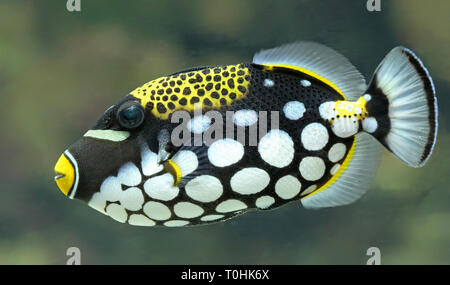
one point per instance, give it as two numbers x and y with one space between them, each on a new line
66 174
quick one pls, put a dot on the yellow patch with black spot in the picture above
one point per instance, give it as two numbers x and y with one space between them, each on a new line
210 88
351 109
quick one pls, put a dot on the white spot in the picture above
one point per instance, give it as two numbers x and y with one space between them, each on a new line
314 136
204 188
230 205
287 187
161 187
358 110
268 82
312 168
345 127
157 211
245 117
149 162
349 107
186 160
176 223
109 135
294 110
140 220
132 199
335 169
249 181
225 152
326 110
276 148
264 202
98 202
367 97
129 174
309 190
187 210
111 189
209 218
117 212
305 83
199 124
370 125
337 152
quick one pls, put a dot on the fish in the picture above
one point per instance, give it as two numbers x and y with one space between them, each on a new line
206 144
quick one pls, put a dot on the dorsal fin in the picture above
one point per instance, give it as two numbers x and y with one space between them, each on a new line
319 60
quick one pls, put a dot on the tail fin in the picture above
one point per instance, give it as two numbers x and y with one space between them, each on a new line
401 98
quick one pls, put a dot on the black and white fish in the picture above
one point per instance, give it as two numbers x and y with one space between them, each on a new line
312 127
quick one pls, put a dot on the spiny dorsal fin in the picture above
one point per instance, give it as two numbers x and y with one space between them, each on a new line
320 60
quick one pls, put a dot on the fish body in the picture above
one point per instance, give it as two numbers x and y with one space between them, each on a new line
206 144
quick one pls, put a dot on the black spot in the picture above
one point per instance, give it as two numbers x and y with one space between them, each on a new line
217 86
240 80
183 101
215 95
225 74
179 82
152 97
190 74
233 75
247 77
150 106
200 92
160 91
242 88
196 86
174 98
153 92
183 76
230 83
161 81
199 77
216 70
165 98
233 69
169 90
192 80
176 89
209 86
187 91
224 91
217 78
207 102
223 101
164 84
161 108
208 78
240 72
206 71
194 100
172 83
232 95
171 105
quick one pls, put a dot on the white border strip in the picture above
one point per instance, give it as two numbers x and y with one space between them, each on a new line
75 165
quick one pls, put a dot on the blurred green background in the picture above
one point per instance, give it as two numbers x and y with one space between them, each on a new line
59 71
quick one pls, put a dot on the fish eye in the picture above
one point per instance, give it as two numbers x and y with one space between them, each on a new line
130 115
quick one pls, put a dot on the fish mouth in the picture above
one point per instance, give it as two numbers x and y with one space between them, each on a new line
66 174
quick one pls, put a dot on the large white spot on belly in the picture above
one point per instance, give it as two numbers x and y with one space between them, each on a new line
117 212
249 181
149 162
276 148
345 127
337 152
98 202
204 188
225 152
111 189
187 210
312 168
176 223
230 205
326 110
209 218
314 136
199 124
294 110
140 220
287 187
132 199
161 187
157 211
186 160
245 117
129 174
264 202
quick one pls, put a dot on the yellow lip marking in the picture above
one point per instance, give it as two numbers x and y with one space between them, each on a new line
65 178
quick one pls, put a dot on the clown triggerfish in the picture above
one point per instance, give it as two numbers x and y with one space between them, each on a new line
207 144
